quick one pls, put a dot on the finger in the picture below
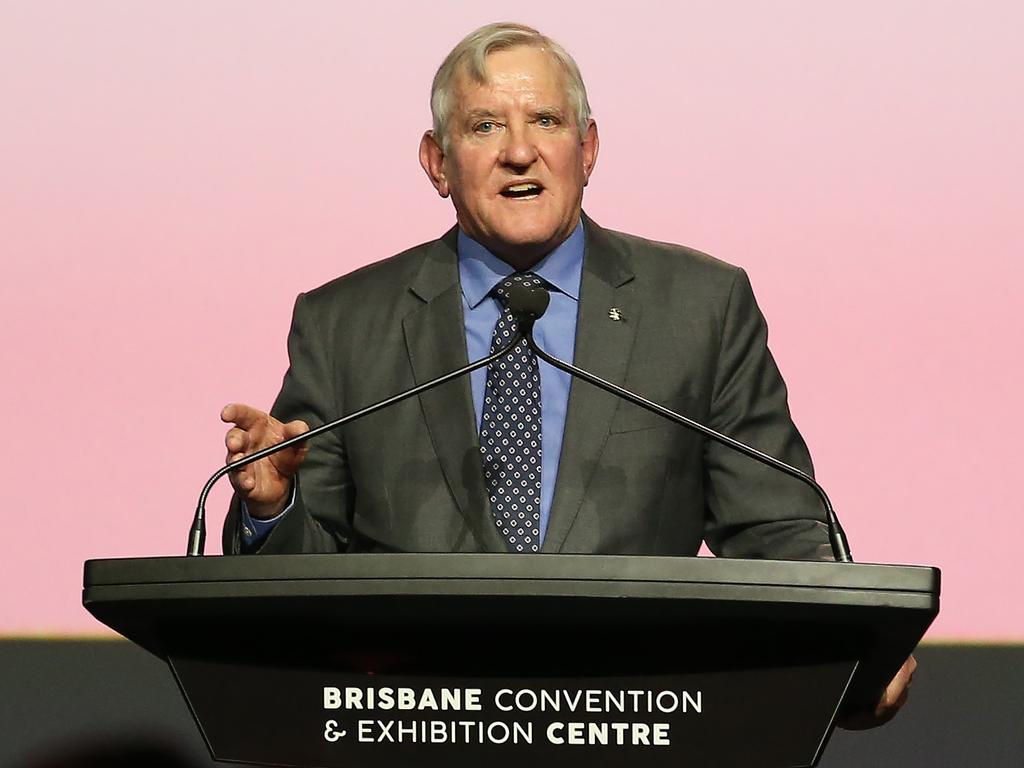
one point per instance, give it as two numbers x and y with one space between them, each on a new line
889 699
295 428
902 699
905 675
896 692
236 440
245 416
287 462
911 666
242 480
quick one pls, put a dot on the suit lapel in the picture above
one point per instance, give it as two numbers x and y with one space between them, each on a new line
603 347
436 344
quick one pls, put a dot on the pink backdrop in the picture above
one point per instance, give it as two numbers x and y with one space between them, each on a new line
172 174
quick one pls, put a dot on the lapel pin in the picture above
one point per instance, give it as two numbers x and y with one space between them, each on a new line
615 314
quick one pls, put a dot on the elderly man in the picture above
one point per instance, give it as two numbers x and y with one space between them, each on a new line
519 458
514 145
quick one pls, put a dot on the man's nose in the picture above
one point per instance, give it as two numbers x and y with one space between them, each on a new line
519 149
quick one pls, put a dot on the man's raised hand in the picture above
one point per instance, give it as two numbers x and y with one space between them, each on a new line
265 485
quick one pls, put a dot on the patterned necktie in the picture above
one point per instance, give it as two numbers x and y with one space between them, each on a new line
510 433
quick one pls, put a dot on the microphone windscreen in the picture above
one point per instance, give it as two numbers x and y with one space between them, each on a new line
527 302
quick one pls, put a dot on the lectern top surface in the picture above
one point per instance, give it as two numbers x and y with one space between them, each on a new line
534 568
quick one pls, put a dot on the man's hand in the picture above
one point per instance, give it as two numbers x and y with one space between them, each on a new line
892 700
265 484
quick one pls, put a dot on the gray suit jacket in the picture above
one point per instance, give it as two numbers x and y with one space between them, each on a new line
410 478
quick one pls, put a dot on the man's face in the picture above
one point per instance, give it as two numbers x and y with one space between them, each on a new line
516 164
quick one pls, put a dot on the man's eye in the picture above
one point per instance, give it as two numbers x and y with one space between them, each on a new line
487 126
546 121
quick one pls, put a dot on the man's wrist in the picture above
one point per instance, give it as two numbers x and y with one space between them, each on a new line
255 529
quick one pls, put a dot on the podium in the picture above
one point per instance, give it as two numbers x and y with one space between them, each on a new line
384 660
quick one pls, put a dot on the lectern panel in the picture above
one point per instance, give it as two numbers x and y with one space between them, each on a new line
550 660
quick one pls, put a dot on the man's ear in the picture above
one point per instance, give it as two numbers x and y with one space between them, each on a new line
591 144
432 160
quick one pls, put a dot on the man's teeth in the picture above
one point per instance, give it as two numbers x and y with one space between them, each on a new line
522 190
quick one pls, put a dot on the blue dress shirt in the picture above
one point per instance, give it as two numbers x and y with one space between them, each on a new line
479 271
555 333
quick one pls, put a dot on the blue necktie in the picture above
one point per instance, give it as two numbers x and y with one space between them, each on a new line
510 433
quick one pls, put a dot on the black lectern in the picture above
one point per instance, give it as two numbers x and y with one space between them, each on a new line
511 660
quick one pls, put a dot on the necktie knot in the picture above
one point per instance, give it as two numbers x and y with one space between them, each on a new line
526 279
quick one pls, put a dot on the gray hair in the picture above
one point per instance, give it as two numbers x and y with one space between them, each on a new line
470 55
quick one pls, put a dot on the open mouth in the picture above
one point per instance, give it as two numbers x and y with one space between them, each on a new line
522 191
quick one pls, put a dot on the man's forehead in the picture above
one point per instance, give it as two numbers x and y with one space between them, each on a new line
537 67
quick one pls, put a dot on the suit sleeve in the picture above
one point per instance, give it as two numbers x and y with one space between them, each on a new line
320 518
753 510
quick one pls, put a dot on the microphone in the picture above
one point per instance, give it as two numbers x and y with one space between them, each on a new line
528 304
197 533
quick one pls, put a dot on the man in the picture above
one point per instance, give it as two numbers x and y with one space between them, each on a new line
513 145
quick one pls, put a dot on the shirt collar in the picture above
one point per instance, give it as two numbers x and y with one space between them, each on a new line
480 270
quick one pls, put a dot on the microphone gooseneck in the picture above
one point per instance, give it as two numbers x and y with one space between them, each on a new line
197 533
528 304
530 307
